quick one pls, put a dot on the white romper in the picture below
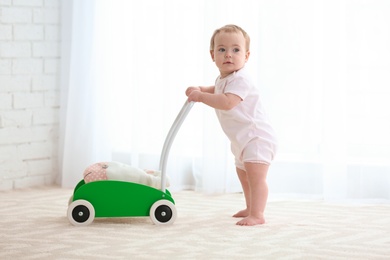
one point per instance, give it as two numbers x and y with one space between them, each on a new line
246 125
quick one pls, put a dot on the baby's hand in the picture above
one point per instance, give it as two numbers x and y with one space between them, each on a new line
191 89
195 96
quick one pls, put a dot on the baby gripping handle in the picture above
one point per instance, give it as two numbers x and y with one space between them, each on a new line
169 140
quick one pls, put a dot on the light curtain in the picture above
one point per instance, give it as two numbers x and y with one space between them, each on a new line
321 67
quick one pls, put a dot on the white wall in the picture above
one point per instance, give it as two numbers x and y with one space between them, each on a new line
29 92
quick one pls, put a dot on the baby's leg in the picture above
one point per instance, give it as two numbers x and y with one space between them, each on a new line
245 187
256 174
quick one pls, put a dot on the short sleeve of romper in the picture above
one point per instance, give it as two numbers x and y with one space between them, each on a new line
238 85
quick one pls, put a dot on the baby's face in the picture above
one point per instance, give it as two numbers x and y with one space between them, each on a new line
229 52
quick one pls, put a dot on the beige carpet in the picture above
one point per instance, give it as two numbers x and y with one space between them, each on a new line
33 225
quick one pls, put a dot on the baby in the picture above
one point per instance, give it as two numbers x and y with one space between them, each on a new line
240 112
122 172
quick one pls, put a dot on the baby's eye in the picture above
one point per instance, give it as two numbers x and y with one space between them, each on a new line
236 50
221 49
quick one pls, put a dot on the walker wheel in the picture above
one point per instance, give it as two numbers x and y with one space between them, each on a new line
163 212
81 213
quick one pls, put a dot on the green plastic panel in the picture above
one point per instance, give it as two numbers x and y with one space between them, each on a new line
118 198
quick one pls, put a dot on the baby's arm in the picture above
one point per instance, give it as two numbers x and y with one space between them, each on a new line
201 89
225 101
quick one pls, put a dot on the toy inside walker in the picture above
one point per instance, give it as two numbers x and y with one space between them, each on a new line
114 198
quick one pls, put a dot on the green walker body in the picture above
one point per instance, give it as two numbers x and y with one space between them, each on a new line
113 199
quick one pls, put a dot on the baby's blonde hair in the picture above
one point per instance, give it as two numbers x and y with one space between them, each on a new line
230 28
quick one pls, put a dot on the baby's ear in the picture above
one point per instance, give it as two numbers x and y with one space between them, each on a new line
248 53
212 54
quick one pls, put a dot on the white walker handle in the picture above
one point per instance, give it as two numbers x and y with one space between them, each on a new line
169 140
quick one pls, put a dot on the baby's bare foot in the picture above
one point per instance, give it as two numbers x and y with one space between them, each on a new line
251 221
242 214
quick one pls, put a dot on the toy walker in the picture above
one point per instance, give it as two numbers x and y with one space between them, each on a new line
112 198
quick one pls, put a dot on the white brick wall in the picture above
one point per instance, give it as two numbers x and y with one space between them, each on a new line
29 92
